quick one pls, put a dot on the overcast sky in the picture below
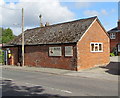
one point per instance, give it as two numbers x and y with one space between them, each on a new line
55 11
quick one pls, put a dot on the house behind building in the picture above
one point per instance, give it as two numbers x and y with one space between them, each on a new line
114 35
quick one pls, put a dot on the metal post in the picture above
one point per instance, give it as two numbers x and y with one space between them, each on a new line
6 57
22 37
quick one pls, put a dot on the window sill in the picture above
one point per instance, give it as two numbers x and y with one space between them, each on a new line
112 38
96 51
55 56
68 56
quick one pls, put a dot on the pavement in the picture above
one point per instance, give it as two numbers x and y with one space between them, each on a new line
108 72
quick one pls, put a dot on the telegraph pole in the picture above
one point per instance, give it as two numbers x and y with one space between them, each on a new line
22 37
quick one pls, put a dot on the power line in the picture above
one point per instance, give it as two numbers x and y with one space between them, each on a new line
8 8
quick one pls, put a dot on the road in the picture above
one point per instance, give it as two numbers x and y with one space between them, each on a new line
26 83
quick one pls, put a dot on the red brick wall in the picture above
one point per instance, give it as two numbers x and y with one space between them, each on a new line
114 42
87 59
14 51
38 56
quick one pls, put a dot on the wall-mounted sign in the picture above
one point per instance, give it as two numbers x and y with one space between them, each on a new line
68 50
55 51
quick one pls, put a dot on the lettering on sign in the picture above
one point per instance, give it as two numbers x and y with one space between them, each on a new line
55 51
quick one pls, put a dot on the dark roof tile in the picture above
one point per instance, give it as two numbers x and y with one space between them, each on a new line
68 32
114 30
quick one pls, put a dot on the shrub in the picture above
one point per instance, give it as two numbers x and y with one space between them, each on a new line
112 54
1 56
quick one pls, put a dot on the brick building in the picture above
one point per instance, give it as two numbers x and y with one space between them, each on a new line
74 45
114 35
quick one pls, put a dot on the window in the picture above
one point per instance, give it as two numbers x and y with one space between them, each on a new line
55 51
118 48
96 47
68 50
112 35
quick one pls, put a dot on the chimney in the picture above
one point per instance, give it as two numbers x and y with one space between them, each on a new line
47 24
41 25
118 24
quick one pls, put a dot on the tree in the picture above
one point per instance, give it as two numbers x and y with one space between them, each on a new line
6 35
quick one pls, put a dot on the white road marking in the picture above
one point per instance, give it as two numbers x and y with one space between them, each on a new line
65 91
5 78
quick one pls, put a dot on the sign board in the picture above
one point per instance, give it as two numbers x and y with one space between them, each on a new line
68 50
55 51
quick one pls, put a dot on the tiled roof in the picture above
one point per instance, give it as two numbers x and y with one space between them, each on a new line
113 30
68 32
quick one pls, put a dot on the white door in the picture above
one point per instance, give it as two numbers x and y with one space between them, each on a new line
118 48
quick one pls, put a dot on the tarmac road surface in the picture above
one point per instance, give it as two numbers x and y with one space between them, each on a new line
27 83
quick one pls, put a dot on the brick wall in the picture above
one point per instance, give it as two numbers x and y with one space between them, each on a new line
38 56
14 51
87 59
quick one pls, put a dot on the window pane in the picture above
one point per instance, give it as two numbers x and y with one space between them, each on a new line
55 51
96 48
92 47
112 35
100 47
68 50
